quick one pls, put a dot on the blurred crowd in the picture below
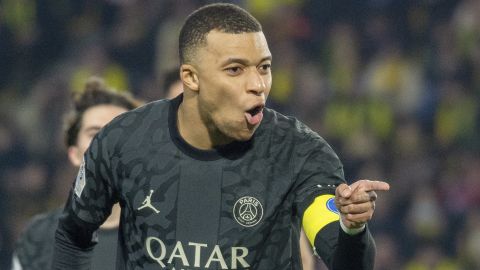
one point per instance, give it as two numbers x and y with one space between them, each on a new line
393 85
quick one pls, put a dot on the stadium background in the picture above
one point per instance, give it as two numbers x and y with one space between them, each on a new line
393 85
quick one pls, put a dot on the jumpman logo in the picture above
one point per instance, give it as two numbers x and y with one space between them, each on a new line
148 203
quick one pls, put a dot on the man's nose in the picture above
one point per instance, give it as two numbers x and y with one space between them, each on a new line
256 83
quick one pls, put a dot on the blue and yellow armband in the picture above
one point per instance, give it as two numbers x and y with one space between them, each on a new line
318 215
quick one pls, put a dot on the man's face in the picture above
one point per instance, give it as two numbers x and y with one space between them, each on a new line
93 120
234 82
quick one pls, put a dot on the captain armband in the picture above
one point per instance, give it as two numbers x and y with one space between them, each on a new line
318 215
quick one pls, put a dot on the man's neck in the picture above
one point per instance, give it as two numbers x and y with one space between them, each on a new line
194 130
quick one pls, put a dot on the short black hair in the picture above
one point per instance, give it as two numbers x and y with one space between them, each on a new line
95 93
227 18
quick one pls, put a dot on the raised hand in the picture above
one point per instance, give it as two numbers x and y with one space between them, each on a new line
356 203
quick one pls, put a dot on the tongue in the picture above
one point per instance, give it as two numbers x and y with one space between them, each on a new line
254 119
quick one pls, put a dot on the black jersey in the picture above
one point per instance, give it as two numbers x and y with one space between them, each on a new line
239 206
34 248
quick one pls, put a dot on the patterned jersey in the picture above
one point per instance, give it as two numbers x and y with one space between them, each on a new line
239 206
34 248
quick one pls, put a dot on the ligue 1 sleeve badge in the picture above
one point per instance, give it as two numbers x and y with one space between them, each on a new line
248 211
80 180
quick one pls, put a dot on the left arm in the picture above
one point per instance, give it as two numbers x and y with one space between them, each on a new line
336 225
323 198
339 247
356 205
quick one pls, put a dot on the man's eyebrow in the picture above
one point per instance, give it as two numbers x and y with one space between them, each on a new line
244 61
267 58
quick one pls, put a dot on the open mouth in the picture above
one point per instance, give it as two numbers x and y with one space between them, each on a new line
254 111
255 115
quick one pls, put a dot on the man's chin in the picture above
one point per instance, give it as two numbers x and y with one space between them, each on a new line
240 135
245 135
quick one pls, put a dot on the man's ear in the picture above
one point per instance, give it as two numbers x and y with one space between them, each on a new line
189 77
75 156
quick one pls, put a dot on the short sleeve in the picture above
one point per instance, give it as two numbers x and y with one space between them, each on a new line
93 195
318 171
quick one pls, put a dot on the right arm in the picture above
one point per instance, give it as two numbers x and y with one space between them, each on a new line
88 206
74 242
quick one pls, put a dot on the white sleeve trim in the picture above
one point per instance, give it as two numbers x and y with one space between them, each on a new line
353 231
16 263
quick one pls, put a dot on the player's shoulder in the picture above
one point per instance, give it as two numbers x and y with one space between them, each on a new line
290 128
134 129
151 111
290 136
135 123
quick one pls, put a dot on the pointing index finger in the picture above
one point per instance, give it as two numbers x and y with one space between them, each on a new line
374 186
369 185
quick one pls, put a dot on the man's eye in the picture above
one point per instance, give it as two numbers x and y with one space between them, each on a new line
233 70
265 66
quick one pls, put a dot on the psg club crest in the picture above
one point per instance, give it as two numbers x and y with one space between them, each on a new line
248 211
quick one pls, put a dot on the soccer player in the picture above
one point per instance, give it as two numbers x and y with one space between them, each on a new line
93 108
212 179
